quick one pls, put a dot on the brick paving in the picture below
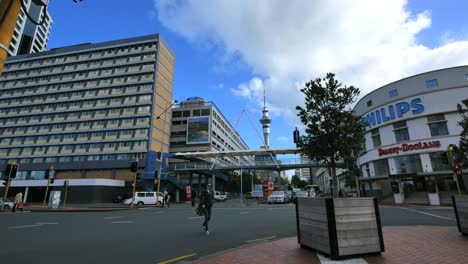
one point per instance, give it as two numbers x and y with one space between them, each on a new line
285 250
422 244
406 244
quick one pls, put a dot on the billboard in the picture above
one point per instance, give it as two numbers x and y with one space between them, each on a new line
198 130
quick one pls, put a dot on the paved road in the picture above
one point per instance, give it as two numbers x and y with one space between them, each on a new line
153 235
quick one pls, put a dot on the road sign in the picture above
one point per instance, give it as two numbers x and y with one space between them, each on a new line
189 193
257 190
270 186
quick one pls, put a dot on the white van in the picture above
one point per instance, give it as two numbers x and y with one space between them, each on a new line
219 196
142 198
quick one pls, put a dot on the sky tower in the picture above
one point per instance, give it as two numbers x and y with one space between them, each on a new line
266 121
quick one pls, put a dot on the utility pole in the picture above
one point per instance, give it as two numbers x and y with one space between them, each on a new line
134 169
241 195
50 174
8 181
67 184
161 153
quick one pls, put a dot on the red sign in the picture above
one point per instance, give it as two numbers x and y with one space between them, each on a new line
409 147
189 193
270 185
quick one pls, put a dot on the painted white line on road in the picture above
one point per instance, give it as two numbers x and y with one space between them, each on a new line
325 260
26 226
145 208
122 222
160 212
446 218
195 217
244 212
47 223
113 217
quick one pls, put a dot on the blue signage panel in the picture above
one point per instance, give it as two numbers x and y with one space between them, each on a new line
393 112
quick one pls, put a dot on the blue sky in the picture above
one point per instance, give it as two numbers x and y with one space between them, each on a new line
229 51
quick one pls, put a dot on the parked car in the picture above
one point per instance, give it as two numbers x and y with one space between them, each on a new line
278 197
119 198
300 194
219 196
228 195
142 198
8 204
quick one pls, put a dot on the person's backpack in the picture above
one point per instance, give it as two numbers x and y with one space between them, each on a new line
199 211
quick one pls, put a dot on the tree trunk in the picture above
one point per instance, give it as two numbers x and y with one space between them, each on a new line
334 179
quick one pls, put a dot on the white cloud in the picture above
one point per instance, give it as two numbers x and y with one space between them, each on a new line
367 43
283 139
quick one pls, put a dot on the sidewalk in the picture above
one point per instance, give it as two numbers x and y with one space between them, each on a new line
407 244
95 207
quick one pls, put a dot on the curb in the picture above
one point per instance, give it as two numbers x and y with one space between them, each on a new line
213 255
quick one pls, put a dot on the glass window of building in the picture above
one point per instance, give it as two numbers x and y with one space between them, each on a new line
108 157
109 145
437 125
93 157
82 136
37 175
140 143
205 112
55 137
437 161
123 157
38 160
79 158
143 109
18 140
97 134
196 112
126 132
401 131
141 132
176 114
68 147
65 159
408 164
51 160
369 103
128 121
432 83
95 146
376 137
124 144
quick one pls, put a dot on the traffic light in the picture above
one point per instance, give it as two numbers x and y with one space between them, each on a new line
444 158
134 166
50 174
11 170
296 136
457 169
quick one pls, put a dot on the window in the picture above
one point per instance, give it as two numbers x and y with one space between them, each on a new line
437 125
196 112
436 161
37 175
141 131
408 164
393 93
65 159
93 157
108 157
124 144
139 143
205 112
381 168
140 194
109 145
432 83
176 114
79 158
68 147
369 103
51 160
150 194
401 131
186 113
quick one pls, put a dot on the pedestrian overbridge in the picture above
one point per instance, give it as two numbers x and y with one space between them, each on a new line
247 163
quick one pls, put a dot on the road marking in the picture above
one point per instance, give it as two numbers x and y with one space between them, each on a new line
122 222
446 218
26 226
244 212
260 239
195 217
145 208
178 258
113 217
47 223
325 260
160 212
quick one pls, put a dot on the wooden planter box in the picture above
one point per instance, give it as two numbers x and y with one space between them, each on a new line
460 205
340 227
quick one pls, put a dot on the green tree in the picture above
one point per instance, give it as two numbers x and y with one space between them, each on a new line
302 184
333 131
295 180
463 110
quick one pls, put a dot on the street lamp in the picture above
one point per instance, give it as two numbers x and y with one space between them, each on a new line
162 140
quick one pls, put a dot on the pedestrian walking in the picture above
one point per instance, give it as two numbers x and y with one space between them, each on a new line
18 201
206 202
165 198
193 197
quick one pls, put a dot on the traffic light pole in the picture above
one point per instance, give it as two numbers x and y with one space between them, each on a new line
6 191
66 192
134 185
450 150
47 191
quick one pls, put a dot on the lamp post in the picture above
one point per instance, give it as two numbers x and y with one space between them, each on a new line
161 152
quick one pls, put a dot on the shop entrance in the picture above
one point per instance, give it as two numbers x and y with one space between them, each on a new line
446 187
415 190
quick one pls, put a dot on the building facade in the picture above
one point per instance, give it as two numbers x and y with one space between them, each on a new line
88 110
411 122
28 37
199 125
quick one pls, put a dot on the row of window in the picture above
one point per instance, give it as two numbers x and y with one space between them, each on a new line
63 69
406 164
429 84
437 126
186 113
80 81
72 116
93 147
73 58
76 96
76 105
59 128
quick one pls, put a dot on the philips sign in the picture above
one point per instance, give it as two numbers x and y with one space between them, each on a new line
392 112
